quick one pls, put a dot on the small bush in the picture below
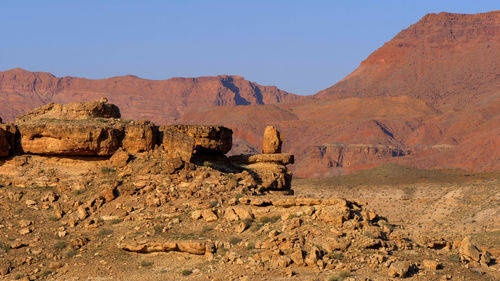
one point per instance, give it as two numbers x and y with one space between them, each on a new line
107 170
59 245
272 219
337 255
79 191
234 240
206 229
214 203
250 246
158 229
53 218
71 253
18 276
339 276
46 273
248 222
4 247
115 221
145 263
186 272
454 258
105 232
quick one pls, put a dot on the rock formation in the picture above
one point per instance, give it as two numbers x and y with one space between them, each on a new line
272 141
94 129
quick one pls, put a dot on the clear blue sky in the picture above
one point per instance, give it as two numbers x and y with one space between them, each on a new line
299 46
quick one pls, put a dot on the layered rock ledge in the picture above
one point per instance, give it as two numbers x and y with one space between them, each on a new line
95 129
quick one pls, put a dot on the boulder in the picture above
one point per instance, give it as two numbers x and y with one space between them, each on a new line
139 136
70 138
399 269
272 141
72 111
208 139
176 144
270 176
469 251
7 139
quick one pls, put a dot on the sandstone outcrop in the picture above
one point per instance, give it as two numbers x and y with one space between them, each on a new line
140 136
176 144
73 111
269 170
208 139
93 129
70 138
272 141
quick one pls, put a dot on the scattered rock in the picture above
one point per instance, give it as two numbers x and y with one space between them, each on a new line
399 269
431 265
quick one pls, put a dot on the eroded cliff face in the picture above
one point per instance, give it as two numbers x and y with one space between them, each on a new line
444 59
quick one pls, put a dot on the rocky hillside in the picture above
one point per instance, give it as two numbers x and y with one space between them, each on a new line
161 101
134 201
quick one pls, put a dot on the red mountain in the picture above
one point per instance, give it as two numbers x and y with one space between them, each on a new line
161 101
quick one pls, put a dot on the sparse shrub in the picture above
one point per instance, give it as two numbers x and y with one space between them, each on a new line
59 245
79 191
213 203
250 246
337 255
186 272
248 222
105 232
4 247
158 229
206 229
256 226
208 164
18 276
145 263
339 276
238 196
53 218
115 221
369 234
234 240
271 219
107 170
71 253
454 258
46 273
